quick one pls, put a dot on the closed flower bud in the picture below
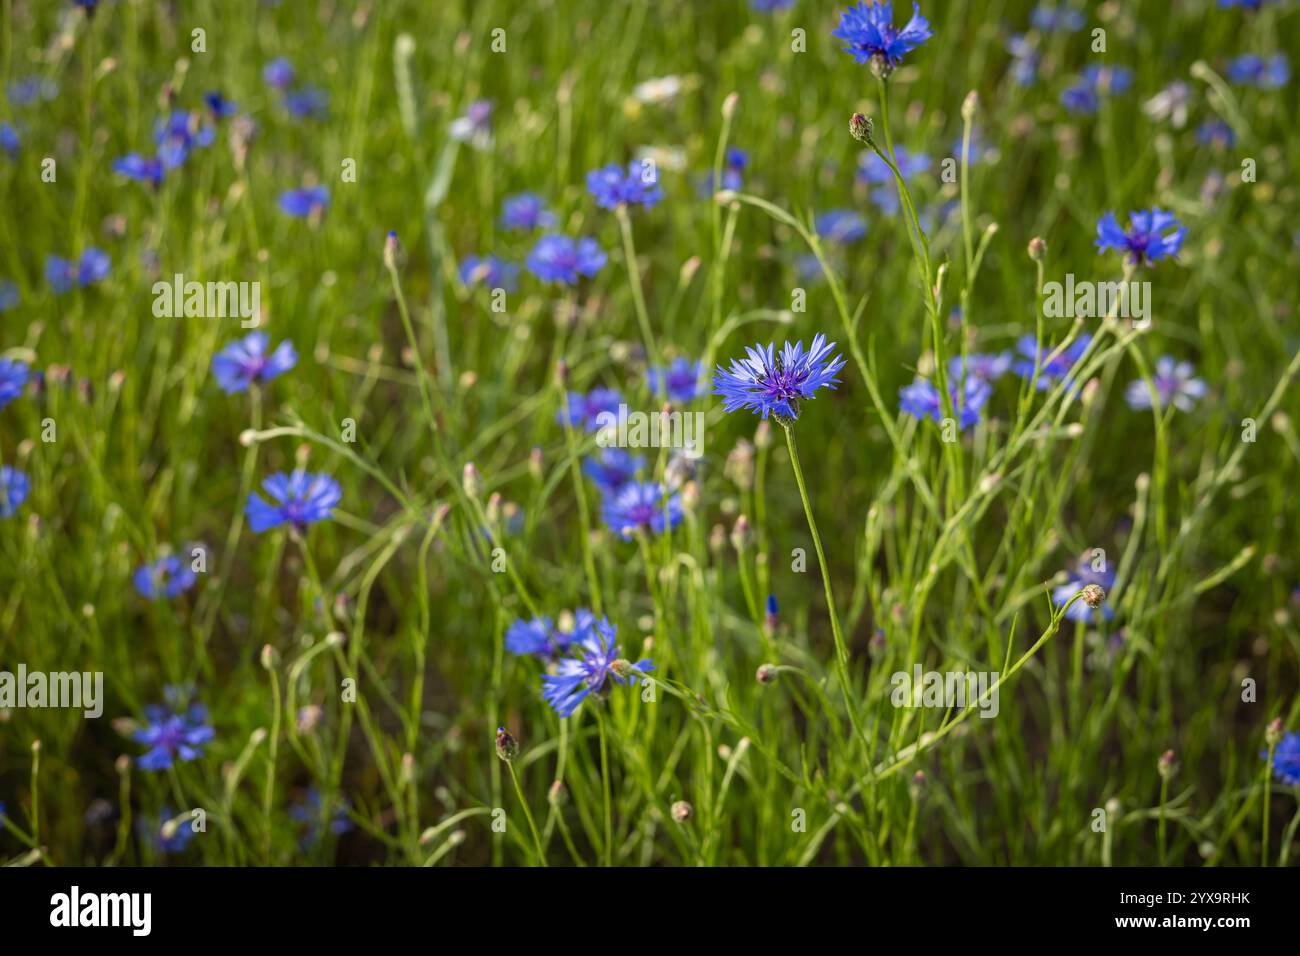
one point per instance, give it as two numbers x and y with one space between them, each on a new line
766 673
969 105
392 251
717 539
1094 595
860 128
741 534
558 795
471 481
1167 766
1037 249
682 811
507 746
1273 732
916 786
621 667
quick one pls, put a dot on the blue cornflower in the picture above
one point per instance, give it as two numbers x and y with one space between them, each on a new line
734 161
278 74
245 361
586 410
307 102
179 134
769 383
1286 760
874 170
612 468
557 258
29 89
1152 235
870 37
219 106
475 127
840 225
9 139
1176 384
540 637
166 577
170 734
639 186
641 505
680 381
1215 132
180 837
1084 95
1049 372
1252 70
489 271
921 400
9 296
990 368
308 201
310 812
595 665
1048 17
1083 575
1244 4
144 169
14 488
13 377
771 6
1024 59
301 498
63 274
526 211
87 5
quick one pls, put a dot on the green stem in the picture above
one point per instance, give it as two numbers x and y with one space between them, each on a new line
528 814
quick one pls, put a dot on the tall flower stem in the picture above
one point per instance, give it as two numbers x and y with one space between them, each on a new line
604 783
638 296
528 814
841 650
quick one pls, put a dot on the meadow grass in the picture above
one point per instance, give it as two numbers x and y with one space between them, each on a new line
885 545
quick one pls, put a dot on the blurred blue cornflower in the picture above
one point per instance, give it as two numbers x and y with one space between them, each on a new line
734 161
246 360
1152 235
1049 17
921 400
541 637
638 186
13 378
14 488
526 211
680 381
612 468
278 73
9 296
220 107
475 127
1286 760
1084 94
770 6
308 201
988 367
1252 70
64 274
167 577
1050 372
641 505
179 134
310 812
180 837
585 410
1176 384
172 732
489 271
771 383
307 102
875 171
595 665
300 498
1080 576
870 36
558 258
144 169
1215 132
29 89
9 139
1244 4
1024 59
840 225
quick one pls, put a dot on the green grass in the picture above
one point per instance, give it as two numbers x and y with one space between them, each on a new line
949 550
